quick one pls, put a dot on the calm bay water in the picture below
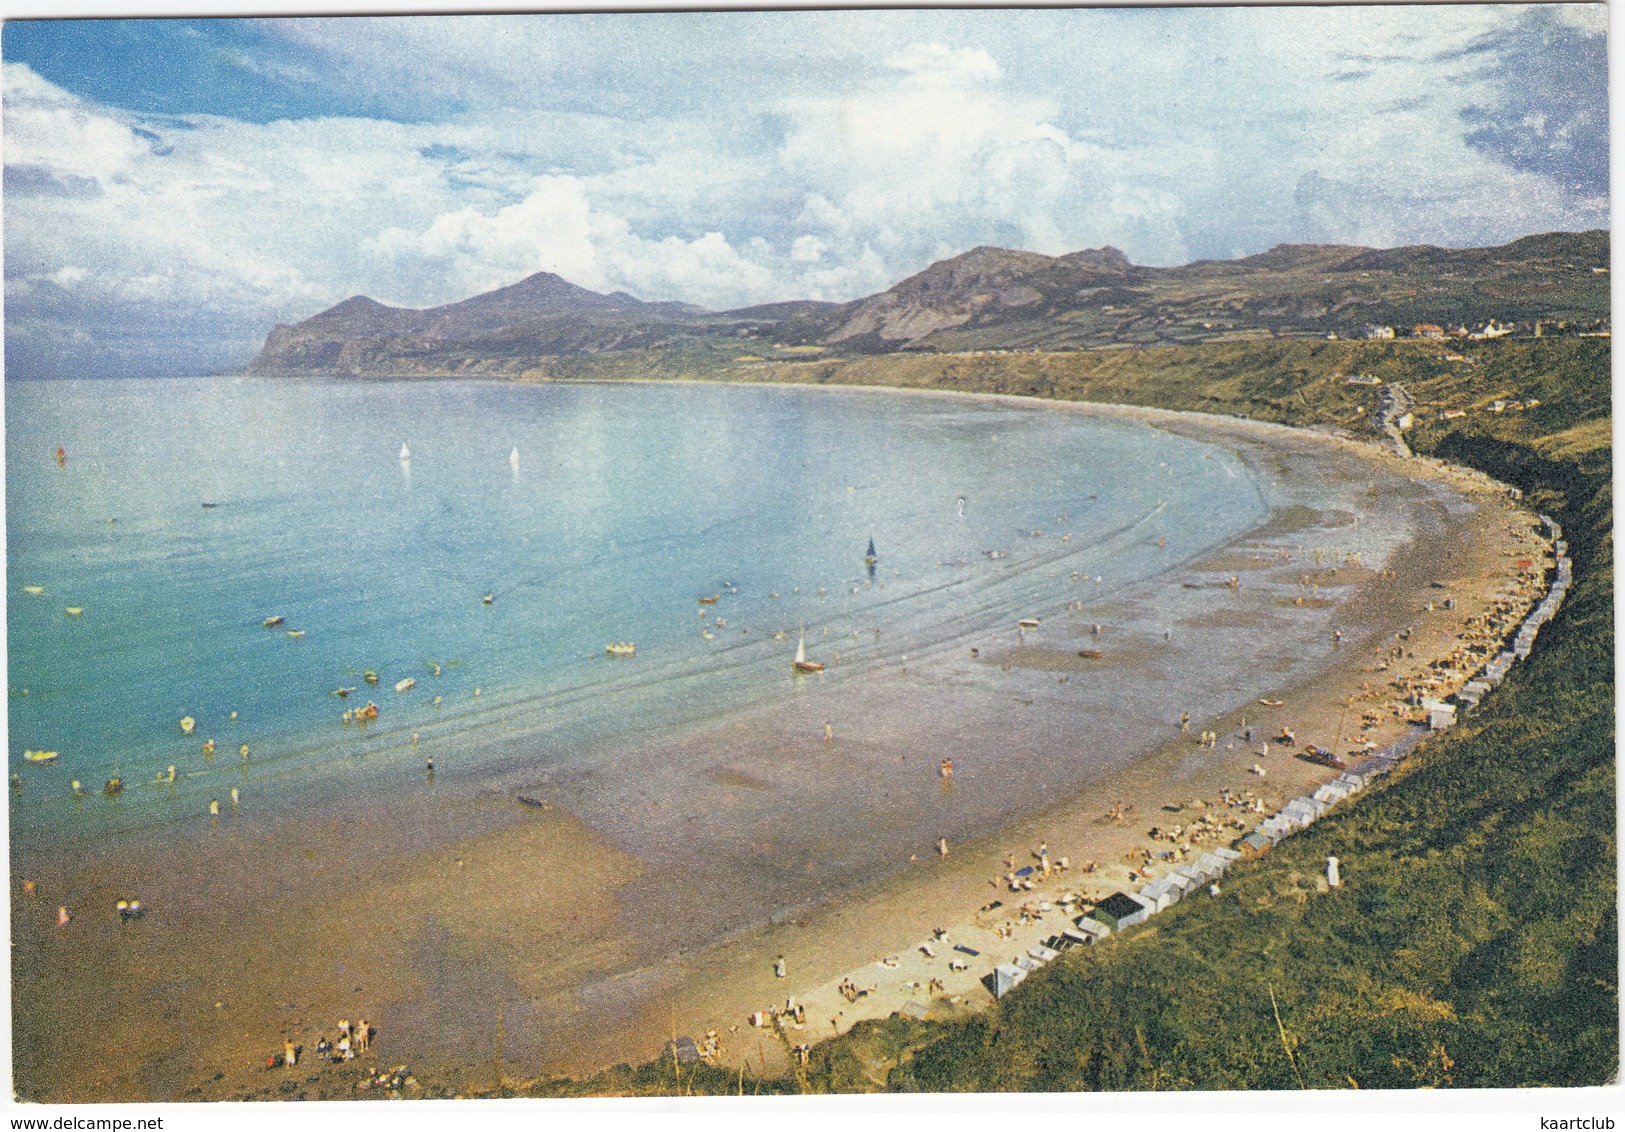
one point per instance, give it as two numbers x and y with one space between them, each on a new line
626 505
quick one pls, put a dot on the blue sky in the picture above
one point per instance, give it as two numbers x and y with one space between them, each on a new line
176 187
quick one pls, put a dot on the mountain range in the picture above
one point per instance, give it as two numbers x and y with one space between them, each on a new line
985 299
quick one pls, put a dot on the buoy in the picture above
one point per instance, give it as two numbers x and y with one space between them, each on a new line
187 724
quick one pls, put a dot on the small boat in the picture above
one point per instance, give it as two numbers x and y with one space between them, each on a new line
513 457
627 649
209 506
61 457
801 663
406 685
869 559
712 600
114 786
75 611
488 598
370 677
296 632
1028 623
1089 654
1272 703
341 692
187 724
35 590
40 756
368 712
406 453
273 622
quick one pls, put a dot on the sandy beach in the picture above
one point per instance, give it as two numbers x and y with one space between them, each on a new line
558 923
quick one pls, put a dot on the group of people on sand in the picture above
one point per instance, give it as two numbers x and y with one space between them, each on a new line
352 1039
852 992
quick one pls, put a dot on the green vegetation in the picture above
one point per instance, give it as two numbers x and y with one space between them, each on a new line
1475 940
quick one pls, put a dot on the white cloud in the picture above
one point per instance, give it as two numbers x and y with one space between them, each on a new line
843 151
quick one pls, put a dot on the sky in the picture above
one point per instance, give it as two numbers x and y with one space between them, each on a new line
174 188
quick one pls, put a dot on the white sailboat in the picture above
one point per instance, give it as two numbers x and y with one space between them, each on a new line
406 453
513 458
801 663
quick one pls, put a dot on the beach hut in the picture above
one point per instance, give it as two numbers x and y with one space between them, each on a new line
1119 911
1070 937
1351 780
1330 793
1213 865
1028 963
1255 844
1093 927
1184 884
1005 978
1160 893
1191 873
1440 714
1277 827
1043 954
1303 811
1225 853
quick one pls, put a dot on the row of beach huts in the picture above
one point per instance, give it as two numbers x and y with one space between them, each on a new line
1123 910
1442 713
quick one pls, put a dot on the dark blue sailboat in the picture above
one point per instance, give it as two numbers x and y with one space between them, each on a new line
869 559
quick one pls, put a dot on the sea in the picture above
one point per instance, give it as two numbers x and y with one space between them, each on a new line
526 528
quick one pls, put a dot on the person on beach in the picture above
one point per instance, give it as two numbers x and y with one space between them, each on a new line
290 1054
779 971
363 1035
829 732
1185 721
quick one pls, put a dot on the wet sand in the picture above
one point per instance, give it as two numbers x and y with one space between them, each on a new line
483 936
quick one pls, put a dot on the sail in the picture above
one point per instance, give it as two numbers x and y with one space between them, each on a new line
513 457
406 453
871 553
801 650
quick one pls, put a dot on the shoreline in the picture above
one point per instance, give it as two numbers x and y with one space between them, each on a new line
693 986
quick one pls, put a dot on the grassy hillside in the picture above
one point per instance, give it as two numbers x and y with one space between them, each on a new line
1474 942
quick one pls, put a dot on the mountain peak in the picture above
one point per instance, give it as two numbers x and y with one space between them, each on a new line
357 304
